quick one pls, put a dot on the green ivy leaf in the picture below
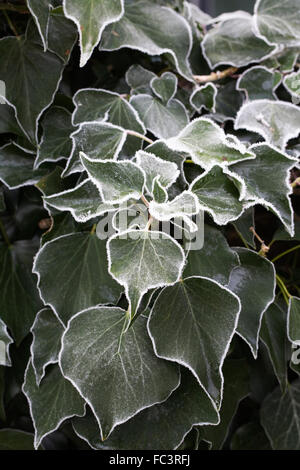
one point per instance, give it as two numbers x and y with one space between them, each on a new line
278 22
255 274
192 323
269 188
124 375
259 83
208 144
18 311
160 427
276 121
51 403
293 324
215 260
56 142
165 86
40 10
143 28
163 120
116 181
280 417
233 42
47 331
273 334
91 18
67 268
29 101
143 260
14 439
292 84
138 79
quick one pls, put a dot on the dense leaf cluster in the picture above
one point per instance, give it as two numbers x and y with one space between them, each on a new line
122 335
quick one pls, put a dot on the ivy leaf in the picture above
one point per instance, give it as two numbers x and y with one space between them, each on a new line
293 323
99 140
91 18
40 10
67 268
278 22
56 142
102 105
165 86
273 334
208 145
143 28
62 34
259 83
276 121
204 96
116 181
5 341
124 375
162 120
143 260
243 224
280 417
138 79
18 311
155 167
292 84
260 182
47 331
218 194
160 194
255 274
160 427
215 260
221 46
183 206
236 387
16 167
84 202
14 439
51 403
209 313
29 101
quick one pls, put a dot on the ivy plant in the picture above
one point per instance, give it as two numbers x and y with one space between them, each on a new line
149 169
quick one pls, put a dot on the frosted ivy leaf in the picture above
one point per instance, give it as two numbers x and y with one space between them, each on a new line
138 79
116 181
276 121
278 21
183 206
292 84
259 83
154 166
91 17
233 42
154 30
204 96
143 260
164 86
208 144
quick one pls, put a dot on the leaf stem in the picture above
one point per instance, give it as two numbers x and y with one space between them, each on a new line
144 200
4 234
11 25
140 136
283 289
264 249
296 183
285 253
93 229
215 76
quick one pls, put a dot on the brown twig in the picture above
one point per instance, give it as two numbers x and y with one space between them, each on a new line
215 76
264 249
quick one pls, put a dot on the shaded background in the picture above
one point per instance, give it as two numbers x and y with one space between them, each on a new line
215 7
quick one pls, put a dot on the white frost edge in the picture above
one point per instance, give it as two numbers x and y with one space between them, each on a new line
86 54
151 286
77 388
226 348
37 23
10 341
